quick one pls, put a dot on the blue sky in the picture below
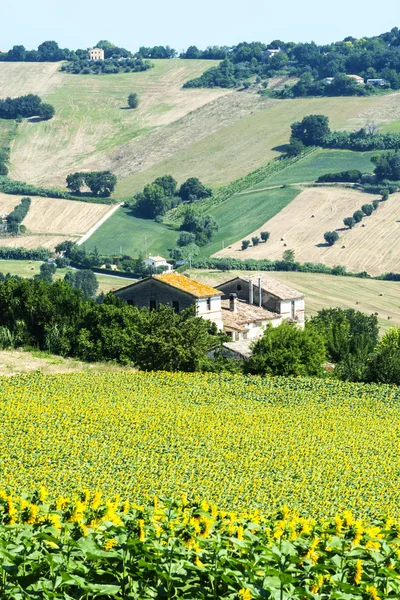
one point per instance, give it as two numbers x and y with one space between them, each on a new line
180 23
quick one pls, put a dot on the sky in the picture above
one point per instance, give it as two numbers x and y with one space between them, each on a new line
180 23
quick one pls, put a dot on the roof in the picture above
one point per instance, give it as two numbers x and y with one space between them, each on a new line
356 77
272 286
242 347
180 282
157 258
245 313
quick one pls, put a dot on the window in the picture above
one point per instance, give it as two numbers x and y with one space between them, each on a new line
208 303
238 287
153 304
175 305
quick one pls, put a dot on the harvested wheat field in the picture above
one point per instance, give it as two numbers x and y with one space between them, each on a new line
372 245
20 78
51 220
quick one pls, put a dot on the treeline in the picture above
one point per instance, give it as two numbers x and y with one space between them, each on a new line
109 66
342 85
7 253
16 216
25 106
157 52
377 57
9 186
55 317
100 183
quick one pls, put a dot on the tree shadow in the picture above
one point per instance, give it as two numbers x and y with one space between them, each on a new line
125 108
281 148
342 229
322 245
35 120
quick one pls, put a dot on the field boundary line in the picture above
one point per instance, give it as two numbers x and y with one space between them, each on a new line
99 223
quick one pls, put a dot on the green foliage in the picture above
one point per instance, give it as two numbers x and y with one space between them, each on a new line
346 332
17 215
9 186
367 209
358 216
47 271
151 202
265 236
312 130
25 106
349 222
387 166
245 244
384 365
331 237
157 52
352 175
46 111
202 226
168 184
256 240
287 350
192 189
295 147
109 66
375 204
99 182
133 100
85 281
288 256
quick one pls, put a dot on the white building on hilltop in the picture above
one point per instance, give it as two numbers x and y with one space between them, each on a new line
155 262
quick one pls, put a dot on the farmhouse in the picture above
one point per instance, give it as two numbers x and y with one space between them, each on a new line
177 291
243 321
284 302
377 82
357 79
96 54
155 262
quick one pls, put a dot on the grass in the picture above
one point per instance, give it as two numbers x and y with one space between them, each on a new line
325 291
240 215
124 234
234 150
25 268
319 163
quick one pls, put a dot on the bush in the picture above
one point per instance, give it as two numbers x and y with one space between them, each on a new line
358 216
287 350
353 176
349 222
385 195
256 240
331 237
133 100
375 204
367 209
245 244
265 236
384 366
46 111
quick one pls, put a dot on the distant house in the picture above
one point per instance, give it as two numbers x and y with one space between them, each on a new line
155 262
177 291
96 54
357 79
377 82
243 321
269 294
272 52
328 80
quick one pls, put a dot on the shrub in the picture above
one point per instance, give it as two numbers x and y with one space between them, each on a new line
367 209
345 176
256 240
331 237
245 244
385 195
375 204
265 236
133 100
349 222
384 365
358 216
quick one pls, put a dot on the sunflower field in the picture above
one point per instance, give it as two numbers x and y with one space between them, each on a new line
244 443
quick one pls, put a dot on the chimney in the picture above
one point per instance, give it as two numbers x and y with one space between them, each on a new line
233 303
259 293
250 292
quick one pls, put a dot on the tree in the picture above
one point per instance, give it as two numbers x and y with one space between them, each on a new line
86 281
101 182
367 209
384 365
331 237
288 256
245 244
295 147
168 184
375 204
47 271
133 100
256 240
358 216
151 202
387 166
46 111
75 181
185 238
312 130
385 195
349 222
287 350
193 187
265 236
346 332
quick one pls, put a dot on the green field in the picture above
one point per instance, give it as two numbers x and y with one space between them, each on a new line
240 215
319 163
325 291
25 268
124 234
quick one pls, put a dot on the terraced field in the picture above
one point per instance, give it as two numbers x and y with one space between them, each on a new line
371 246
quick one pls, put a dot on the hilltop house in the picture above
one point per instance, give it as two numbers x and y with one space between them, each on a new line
378 82
96 54
155 262
268 294
177 291
243 321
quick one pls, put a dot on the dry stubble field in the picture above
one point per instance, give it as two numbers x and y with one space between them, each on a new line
51 220
371 246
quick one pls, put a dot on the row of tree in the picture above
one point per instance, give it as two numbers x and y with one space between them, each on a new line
18 214
100 183
26 106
